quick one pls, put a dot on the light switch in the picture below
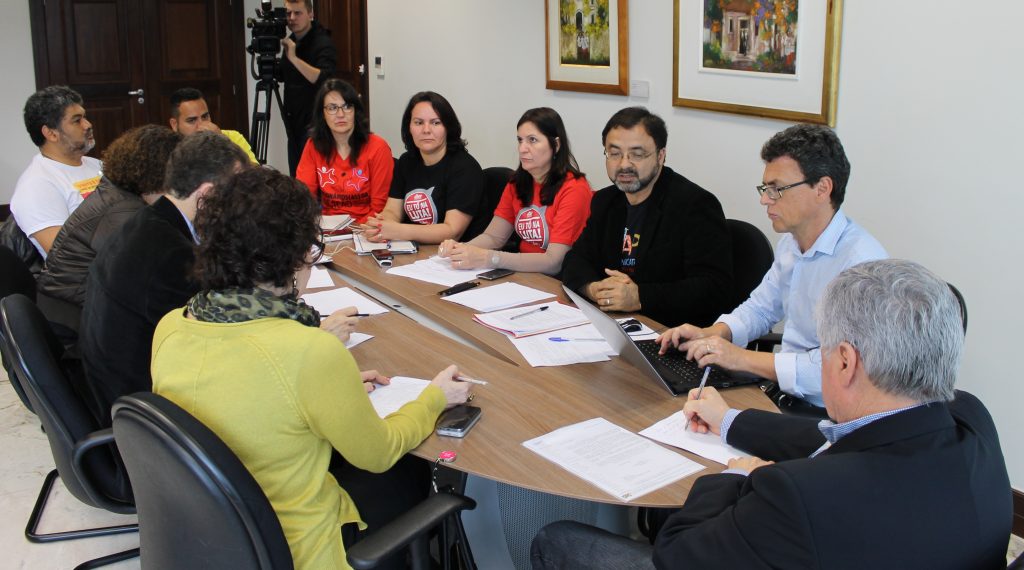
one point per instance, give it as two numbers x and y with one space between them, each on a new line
378 65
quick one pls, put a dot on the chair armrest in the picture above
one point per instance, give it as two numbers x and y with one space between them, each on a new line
765 343
81 449
397 534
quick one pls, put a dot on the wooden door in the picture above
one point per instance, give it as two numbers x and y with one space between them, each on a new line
346 19
108 49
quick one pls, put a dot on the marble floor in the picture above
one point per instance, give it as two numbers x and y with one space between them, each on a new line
24 462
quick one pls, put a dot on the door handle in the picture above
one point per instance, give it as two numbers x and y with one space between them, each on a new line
140 94
362 69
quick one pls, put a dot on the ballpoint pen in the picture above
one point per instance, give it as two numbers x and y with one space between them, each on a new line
563 339
466 286
700 390
514 317
461 378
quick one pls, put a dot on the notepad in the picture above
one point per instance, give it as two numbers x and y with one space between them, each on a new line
670 432
364 246
388 399
497 297
556 316
613 459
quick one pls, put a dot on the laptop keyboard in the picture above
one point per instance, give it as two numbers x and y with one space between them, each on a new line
687 371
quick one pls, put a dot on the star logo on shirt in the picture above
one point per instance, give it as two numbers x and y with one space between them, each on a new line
325 176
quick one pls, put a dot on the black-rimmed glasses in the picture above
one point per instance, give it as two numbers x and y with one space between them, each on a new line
776 193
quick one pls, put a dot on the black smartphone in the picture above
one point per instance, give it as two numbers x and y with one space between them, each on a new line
457 421
495 274
383 257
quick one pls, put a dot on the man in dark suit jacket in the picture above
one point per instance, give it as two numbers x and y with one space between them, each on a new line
910 474
144 271
655 243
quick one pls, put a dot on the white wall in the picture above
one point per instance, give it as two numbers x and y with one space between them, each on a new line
16 149
929 112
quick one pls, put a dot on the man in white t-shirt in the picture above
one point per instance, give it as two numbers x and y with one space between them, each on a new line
60 176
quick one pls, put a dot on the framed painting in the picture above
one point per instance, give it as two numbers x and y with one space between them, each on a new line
587 45
769 58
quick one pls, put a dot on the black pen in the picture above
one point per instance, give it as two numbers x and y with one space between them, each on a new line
466 286
324 317
514 317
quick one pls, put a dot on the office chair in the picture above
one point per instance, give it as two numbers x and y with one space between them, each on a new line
189 484
84 456
752 256
14 278
15 240
495 180
963 304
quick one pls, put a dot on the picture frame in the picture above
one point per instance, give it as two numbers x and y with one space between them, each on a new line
779 59
587 46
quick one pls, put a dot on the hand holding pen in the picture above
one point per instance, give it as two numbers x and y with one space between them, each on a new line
704 410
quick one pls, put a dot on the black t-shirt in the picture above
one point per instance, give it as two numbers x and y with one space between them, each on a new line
631 236
317 49
427 192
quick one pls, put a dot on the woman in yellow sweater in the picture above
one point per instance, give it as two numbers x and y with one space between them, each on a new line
249 360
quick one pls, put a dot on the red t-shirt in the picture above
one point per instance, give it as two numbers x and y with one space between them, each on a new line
342 188
538 226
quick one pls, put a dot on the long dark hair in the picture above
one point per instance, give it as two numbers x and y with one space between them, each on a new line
549 123
323 137
445 112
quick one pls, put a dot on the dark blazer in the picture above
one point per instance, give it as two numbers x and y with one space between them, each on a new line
925 488
684 260
142 273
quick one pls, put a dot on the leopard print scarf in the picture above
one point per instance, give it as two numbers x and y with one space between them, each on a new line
239 305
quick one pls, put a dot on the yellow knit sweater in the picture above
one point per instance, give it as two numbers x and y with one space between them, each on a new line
280 395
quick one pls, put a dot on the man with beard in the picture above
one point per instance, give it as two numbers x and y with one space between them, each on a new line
60 176
655 243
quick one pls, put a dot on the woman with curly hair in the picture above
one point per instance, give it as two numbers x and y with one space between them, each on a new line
133 175
346 167
546 204
251 361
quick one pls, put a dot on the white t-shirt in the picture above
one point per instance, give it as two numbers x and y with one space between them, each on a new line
48 191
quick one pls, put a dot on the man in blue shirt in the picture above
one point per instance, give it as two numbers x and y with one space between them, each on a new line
803 187
909 475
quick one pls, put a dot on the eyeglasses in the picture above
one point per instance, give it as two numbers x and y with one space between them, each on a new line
333 109
776 193
634 156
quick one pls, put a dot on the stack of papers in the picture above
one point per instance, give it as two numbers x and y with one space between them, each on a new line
708 445
326 302
364 246
566 346
497 297
435 270
527 321
613 459
388 399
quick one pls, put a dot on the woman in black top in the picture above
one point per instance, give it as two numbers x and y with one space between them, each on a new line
437 185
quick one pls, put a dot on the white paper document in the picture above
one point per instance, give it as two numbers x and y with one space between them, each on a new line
497 297
335 222
534 319
435 270
708 445
566 346
355 339
319 278
388 399
326 302
613 459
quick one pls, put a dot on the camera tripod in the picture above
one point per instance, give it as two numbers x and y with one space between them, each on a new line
260 132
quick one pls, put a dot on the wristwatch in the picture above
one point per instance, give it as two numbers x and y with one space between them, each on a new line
495 259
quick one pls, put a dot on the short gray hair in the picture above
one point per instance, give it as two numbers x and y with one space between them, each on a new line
904 322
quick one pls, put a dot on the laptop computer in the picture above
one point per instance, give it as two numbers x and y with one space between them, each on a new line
672 370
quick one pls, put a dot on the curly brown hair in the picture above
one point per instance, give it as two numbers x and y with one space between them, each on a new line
135 161
256 228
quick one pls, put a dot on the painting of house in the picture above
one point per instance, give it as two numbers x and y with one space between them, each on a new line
584 37
751 35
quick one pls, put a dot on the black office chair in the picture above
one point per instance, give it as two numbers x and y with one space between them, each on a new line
84 455
189 484
495 180
440 510
963 304
14 239
15 278
752 256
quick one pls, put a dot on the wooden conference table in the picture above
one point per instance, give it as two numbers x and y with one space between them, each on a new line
521 402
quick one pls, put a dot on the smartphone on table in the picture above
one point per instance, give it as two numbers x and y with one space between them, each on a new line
457 421
383 257
495 274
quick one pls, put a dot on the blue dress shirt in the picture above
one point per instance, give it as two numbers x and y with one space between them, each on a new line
790 290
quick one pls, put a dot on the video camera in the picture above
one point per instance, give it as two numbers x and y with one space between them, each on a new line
268 28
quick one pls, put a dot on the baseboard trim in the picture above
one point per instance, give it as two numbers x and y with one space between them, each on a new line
1018 513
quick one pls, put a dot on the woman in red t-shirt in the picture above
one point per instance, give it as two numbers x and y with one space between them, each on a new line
346 167
546 203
